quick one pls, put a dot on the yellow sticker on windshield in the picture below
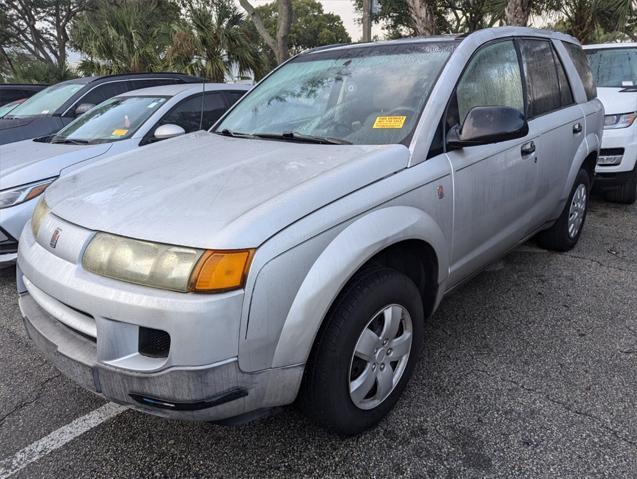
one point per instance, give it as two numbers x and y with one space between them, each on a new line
120 132
389 121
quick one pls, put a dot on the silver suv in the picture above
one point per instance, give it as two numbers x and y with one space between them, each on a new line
294 252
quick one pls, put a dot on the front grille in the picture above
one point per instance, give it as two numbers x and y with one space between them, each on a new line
610 156
611 151
154 343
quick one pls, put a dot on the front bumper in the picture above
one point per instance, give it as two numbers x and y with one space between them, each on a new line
90 328
212 392
613 141
610 181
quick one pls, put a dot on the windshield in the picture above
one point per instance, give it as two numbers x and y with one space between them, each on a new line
47 101
115 119
4 109
360 95
614 67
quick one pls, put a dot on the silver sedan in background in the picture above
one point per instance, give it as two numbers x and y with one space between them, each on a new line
120 124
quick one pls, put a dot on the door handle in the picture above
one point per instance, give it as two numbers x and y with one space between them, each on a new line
528 148
577 128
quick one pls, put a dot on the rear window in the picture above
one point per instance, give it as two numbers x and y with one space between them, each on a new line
583 68
614 67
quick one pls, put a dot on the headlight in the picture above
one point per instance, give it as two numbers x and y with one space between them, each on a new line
624 120
20 194
165 266
40 211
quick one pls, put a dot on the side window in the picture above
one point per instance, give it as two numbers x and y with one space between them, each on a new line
492 78
187 114
214 107
566 94
233 96
103 92
583 68
540 72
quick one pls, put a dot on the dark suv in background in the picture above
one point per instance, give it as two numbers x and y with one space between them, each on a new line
17 91
51 109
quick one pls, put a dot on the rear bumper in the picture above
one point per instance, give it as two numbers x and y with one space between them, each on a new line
211 392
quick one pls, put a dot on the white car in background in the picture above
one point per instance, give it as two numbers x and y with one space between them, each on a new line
120 124
614 67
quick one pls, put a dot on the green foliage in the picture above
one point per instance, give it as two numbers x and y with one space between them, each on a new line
213 41
311 27
124 36
595 20
452 16
29 70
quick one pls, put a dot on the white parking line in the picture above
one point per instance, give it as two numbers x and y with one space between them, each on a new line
57 439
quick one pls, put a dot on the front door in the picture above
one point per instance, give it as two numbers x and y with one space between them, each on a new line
494 185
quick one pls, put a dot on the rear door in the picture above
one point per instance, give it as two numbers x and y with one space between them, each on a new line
555 121
495 185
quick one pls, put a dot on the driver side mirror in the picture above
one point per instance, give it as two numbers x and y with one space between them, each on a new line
484 125
83 108
168 131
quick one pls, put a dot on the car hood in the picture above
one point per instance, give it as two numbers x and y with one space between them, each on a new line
12 130
208 191
27 161
616 101
7 123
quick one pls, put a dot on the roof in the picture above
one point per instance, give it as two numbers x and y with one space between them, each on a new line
487 33
134 76
23 85
172 90
600 46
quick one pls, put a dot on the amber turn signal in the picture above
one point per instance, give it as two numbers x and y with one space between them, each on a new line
219 271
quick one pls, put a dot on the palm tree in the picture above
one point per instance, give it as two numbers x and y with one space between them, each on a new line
215 42
124 36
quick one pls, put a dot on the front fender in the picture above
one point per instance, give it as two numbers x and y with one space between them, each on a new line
338 262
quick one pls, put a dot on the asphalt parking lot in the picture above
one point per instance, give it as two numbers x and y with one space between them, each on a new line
529 370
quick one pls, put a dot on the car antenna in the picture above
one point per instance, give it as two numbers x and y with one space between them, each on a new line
203 94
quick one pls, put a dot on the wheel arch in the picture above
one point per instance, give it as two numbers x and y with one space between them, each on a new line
585 157
388 236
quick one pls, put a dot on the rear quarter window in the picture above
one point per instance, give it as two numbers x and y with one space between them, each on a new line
583 68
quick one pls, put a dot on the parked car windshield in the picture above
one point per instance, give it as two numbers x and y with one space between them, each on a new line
47 101
115 119
614 67
5 109
359 95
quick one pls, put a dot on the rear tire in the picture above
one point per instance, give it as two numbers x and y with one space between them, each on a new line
626 193
364 353
565 233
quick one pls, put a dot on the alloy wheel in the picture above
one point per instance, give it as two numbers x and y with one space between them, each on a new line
380 356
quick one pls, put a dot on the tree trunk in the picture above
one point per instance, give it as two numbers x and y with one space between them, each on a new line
517 12
422 17
367 20
278 45
283 30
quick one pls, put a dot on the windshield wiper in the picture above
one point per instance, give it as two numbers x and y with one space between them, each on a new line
68 141
234 134
300 137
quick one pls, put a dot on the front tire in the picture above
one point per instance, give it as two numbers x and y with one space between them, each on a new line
625 193
565 233
365 352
